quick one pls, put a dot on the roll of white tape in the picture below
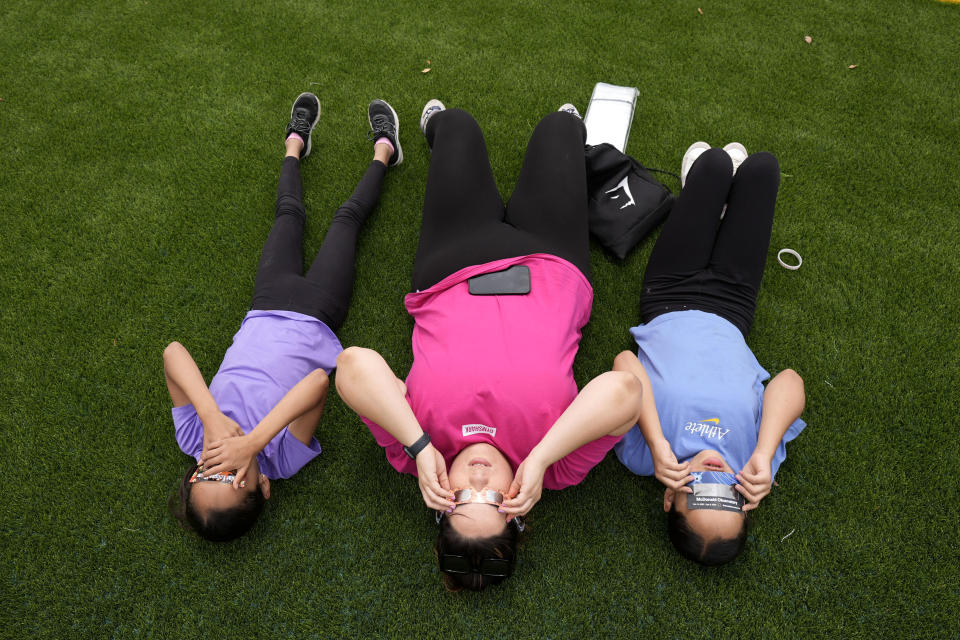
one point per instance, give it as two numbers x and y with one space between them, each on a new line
789 252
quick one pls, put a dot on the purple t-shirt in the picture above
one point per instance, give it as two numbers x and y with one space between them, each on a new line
272 351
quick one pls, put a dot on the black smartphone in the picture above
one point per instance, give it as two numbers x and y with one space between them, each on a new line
512 281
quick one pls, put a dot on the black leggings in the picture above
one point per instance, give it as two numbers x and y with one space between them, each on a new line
324 292
464 219
700 262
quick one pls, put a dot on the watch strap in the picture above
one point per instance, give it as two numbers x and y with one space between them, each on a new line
417 446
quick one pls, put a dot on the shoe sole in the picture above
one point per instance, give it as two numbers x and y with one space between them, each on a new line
699 144
396 132
430 104
309 147
736 146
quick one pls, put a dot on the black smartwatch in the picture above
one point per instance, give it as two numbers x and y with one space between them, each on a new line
417 446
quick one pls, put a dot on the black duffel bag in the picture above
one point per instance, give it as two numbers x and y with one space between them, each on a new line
626 202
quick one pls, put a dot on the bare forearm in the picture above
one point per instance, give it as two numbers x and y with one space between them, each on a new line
303 397
367 384
649 420
783 402
608 405
183 376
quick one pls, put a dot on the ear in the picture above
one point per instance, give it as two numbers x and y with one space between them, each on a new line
264 483
668 495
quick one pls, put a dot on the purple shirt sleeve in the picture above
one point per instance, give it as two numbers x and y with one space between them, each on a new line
285 455
188 430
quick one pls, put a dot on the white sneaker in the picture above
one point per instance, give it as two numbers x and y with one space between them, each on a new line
737 153
693 152
432 107
569 108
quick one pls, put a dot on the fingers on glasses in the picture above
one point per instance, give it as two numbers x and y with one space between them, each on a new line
752 492
442 478
435 496
210 455
240 480
211 468
518 506
676 478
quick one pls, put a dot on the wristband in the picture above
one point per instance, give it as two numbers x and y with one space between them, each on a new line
417 446
789 252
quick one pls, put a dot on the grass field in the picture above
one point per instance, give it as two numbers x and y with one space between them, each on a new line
139 148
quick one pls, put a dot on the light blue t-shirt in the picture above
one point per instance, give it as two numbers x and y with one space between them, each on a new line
708 388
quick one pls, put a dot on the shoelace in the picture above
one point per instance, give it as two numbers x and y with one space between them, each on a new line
381 125
299 122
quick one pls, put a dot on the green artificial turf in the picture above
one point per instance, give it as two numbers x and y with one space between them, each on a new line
139 148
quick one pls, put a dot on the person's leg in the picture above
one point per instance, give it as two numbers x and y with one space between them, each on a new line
332 271
740 251
550 199
686 240
461 199
675 276
282 255
324 292
460 180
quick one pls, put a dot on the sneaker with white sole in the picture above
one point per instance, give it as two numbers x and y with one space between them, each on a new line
430 109
572 110
304 116
693 152
737 153
384 123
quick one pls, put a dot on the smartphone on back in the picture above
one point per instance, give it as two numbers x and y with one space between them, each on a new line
513 280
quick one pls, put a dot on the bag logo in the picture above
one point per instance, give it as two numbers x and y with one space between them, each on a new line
474 429
625 186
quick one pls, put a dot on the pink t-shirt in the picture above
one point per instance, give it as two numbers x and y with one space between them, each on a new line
498 369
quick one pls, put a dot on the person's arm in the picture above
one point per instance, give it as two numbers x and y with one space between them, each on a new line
783 402
666 468
186 386
184 380
367 384
237 453
608 405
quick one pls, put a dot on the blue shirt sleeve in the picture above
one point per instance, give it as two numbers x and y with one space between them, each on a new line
633 452
781 453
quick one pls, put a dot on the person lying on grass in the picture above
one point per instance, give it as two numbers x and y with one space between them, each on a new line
490 414
257 419
708 429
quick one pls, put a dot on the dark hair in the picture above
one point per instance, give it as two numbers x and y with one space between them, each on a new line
502 545
692 546
217 525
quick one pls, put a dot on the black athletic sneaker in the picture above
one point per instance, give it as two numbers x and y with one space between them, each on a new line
303 118
384 123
